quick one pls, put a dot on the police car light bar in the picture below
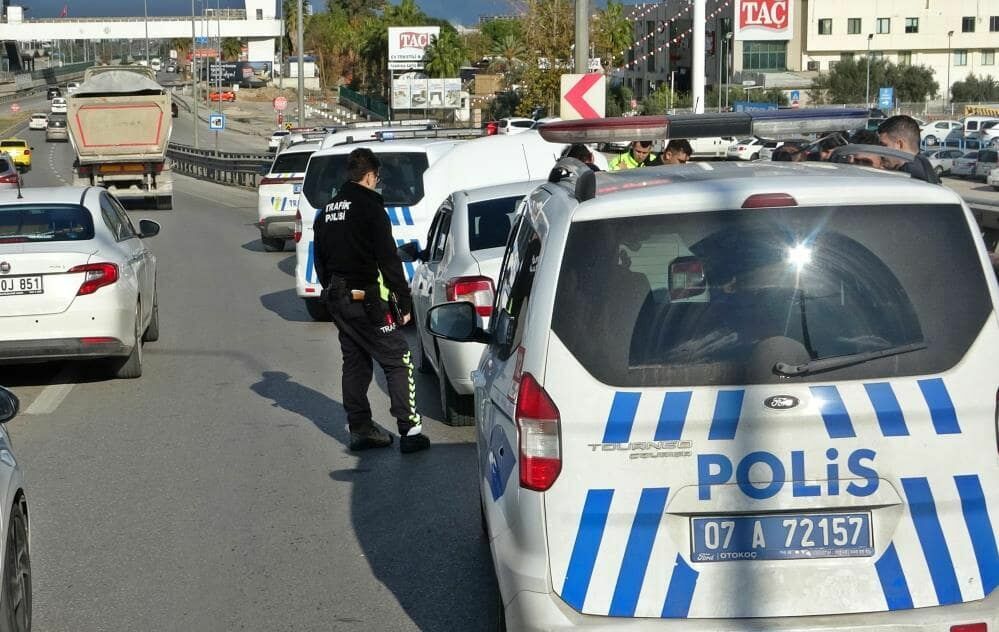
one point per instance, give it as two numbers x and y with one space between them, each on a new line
403 133
763 123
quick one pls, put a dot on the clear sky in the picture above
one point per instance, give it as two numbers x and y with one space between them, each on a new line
462 11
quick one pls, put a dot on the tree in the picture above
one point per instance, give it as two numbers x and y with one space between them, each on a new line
354 7
508 53
612 34
183 46
548 31
500 28
974 89
477 45
847 81
232 48
445 55
289 9
619 98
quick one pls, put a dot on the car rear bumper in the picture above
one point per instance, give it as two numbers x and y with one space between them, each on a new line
80 331
282 226
14 351
531 611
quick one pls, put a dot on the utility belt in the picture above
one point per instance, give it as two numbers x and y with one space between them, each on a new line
367 300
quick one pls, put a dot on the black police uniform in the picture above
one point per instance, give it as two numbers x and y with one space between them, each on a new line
353 243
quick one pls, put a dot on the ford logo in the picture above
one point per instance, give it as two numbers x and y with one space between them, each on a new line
4 267
781 402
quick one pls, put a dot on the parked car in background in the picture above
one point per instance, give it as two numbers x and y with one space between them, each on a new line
38 121
988 159
993 179
277 195
58 105
514 125
79 281
460 263
937 132
973 126
942 159
222 95
964 167
275 140
52 92
19 151
749 148
767 152
57 130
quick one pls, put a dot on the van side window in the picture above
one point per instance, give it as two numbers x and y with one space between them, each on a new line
111 218
517 277
436 247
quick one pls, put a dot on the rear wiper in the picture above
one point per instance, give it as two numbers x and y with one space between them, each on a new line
828 364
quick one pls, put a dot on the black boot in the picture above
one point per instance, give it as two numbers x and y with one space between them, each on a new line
413 443
369 438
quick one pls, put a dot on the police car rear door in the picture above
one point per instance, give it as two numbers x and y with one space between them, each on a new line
774 412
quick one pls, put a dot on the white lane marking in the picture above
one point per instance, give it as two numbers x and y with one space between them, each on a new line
53 394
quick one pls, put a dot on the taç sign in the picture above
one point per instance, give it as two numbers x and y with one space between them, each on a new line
407 45
764 19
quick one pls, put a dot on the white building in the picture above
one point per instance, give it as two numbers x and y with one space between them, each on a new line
956 36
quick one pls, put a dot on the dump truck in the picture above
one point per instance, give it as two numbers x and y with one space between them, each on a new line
119 125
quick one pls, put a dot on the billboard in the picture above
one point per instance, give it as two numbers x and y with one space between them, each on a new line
764 19
426 94
406 45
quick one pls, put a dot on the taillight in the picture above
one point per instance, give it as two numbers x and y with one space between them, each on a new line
27 152
970 627
477 290
769 200
298 226
742 148
97 276
11 179
540 436
278 180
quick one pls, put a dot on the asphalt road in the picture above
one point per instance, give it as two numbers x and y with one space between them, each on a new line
216 492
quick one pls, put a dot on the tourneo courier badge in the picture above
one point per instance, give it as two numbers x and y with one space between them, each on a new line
781 402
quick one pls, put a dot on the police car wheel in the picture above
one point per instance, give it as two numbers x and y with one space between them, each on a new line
458 410
318 310
272 244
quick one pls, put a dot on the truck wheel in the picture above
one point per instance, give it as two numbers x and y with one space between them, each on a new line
273 244
164 203
318 310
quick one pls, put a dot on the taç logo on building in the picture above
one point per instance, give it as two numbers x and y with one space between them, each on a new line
763 19
410 39
407 43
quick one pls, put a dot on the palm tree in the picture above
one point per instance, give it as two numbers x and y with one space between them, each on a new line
289 10
445 55
509 49
232 48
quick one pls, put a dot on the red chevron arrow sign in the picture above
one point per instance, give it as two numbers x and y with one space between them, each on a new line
583 96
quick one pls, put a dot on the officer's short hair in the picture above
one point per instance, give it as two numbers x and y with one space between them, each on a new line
865 137
903 128
360 162
580 152
681 146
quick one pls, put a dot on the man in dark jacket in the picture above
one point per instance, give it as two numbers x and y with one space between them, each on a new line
369 299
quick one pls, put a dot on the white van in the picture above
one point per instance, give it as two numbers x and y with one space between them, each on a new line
973 126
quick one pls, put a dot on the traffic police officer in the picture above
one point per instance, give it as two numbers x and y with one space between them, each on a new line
639 154
369 299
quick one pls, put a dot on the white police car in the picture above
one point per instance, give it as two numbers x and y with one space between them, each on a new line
278 193
737 396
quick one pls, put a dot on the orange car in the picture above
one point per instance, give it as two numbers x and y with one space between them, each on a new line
225 95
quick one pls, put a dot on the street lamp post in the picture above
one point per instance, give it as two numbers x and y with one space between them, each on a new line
301 67
721 55
194 76
950 34
728 66
870 36
145 13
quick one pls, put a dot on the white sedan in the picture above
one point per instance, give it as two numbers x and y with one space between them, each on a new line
937 132
58 105
942 159
464 251
39 120
76 279
749 148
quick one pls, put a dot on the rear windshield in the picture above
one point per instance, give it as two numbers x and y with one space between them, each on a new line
971 155
401 178
45 222
489 222
291 162
5 166
13 143
720 298
57 123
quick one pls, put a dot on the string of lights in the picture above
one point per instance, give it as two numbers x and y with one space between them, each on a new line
662 27
675 40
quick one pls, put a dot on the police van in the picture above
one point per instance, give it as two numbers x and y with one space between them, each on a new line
417 176
739 396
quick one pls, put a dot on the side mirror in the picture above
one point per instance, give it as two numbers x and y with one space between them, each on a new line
456 321
686 278
148 228
9 405
410 252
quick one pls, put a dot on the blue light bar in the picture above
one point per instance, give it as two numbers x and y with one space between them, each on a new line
808 121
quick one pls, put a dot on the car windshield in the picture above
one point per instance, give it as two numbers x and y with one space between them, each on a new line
45 222
746 141
291 162
401 176
720 298
489 222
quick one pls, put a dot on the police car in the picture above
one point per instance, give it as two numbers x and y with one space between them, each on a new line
277 195
739 396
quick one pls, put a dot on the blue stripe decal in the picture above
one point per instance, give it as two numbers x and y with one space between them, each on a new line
406 216
409 269
392 215
310 262
983 537
941 407
728 407
673 415
893 582
931 538
621 417
886 406
834 414
681 590
584 551
638 551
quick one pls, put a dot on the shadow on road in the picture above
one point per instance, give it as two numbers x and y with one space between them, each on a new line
287 265
415 517
254 246
287 305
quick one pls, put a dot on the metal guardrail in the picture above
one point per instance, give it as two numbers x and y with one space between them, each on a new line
234 169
